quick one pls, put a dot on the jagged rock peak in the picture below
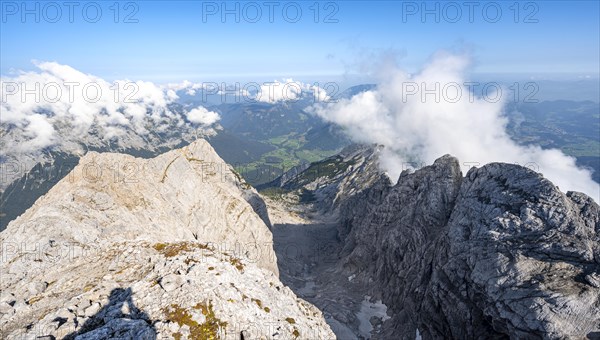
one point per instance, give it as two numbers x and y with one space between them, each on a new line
501 252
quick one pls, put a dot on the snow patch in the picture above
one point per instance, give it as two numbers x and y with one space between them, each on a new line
369 309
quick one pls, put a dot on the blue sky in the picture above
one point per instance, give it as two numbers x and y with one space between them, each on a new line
178 40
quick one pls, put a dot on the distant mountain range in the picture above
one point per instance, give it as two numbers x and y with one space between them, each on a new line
264 140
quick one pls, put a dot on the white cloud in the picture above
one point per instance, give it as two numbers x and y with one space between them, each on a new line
35 102
267 92
417 127
201 115
186 86
289 90
40 132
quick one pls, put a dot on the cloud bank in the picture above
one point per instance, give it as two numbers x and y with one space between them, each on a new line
36 104
286 90
404 114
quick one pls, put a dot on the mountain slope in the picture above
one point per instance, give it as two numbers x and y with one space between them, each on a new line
177 245
28 173
184 194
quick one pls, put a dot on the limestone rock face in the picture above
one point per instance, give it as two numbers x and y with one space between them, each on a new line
184 194
29 173
123 247
500 252
521 254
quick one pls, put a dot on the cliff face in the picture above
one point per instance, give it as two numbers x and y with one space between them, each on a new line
148 248
521 254
500 252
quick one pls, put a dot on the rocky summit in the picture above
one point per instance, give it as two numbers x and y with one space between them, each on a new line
176 246
498 253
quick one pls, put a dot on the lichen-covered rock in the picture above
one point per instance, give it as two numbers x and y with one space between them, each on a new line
138 290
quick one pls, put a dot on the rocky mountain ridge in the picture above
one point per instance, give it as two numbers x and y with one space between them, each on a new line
180 246
174 246
498 253
28 173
